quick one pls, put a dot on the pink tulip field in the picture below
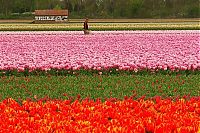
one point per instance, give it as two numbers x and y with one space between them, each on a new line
133 50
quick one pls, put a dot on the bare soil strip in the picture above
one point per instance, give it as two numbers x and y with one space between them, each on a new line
111 20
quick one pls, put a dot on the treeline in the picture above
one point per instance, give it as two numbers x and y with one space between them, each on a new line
105 8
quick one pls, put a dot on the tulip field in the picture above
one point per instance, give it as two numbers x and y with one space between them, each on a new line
132 50
108 81
97 26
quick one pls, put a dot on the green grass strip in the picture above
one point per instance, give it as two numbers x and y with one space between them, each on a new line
99 86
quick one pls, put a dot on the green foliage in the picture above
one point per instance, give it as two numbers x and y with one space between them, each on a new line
108 8
193 11
134 7
57 7
17 16
99 86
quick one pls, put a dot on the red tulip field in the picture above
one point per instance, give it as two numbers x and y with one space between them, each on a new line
104 82
95 116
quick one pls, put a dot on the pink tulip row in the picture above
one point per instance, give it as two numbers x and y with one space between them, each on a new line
101 49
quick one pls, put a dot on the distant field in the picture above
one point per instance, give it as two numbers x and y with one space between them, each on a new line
103 24
111 20
100 26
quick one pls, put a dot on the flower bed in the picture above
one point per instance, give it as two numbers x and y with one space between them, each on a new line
101 26
126 50
153 115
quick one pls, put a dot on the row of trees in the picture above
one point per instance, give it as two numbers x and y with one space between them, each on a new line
108 8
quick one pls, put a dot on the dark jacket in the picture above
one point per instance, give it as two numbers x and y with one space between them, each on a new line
85 26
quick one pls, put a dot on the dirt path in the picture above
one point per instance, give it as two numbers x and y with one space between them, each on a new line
113 20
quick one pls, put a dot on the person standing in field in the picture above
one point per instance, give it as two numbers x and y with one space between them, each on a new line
85 26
